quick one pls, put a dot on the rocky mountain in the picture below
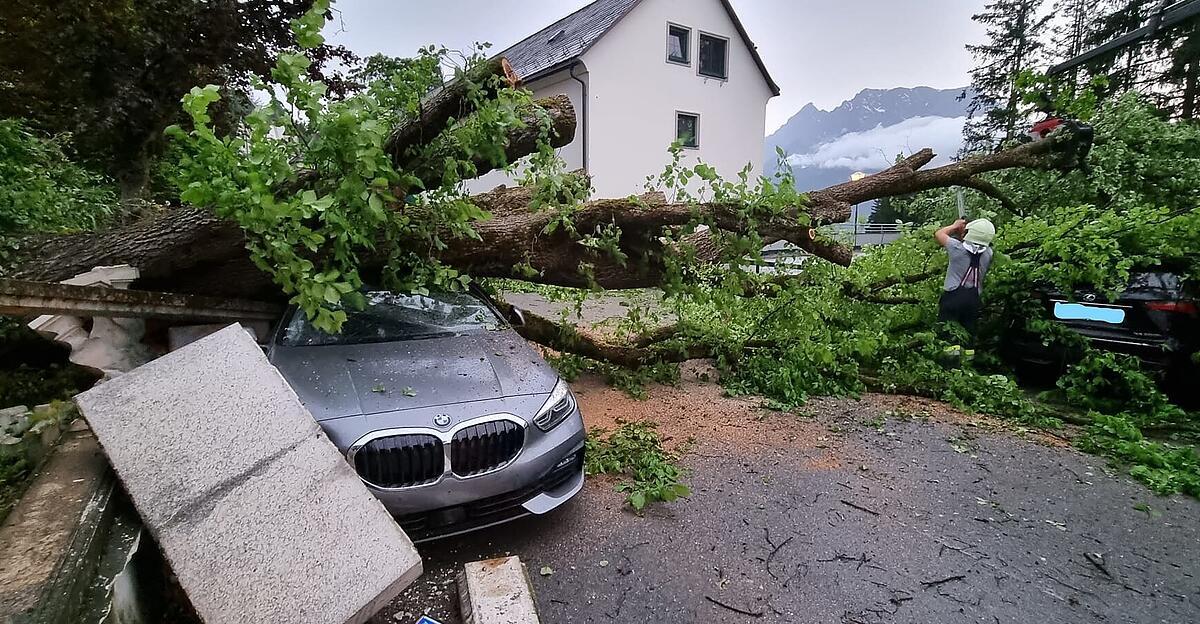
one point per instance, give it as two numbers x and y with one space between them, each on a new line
866 133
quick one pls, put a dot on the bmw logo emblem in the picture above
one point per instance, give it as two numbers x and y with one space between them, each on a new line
441 420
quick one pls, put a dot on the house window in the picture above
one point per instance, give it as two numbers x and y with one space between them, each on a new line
687 129
714 56
679 44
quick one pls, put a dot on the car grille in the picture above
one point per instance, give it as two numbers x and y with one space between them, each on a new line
430 524
401 461
485 447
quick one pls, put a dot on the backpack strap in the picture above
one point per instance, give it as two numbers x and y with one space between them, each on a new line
972 274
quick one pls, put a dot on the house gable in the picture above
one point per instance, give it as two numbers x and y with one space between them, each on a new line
560 44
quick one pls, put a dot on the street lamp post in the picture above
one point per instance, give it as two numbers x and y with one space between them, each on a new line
855 177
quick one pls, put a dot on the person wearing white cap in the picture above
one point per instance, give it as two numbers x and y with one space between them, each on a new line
970 259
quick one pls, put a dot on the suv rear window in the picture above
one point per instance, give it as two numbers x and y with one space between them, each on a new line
392 317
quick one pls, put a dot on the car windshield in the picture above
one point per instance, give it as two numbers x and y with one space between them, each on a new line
391 317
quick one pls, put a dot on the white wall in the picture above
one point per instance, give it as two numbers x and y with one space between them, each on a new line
572 154
635 94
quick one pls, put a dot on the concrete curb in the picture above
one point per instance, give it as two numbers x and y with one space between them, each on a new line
50 542
497 591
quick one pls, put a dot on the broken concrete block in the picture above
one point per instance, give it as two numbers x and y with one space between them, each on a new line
15 420
11 447
497 591
260 517
10 416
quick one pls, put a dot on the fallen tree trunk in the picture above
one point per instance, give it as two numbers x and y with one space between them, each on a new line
447 103
664 345
190 250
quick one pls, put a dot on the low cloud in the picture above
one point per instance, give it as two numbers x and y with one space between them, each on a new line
875 149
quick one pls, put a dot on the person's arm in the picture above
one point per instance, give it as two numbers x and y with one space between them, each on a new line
943 235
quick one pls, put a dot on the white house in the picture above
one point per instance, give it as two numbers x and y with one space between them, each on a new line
641 74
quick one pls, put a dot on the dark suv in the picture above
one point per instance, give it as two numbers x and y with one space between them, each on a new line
1157 319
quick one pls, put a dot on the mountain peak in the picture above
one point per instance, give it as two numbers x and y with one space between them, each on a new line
873 108
811 126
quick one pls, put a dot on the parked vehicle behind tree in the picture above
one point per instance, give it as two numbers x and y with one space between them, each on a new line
1156 318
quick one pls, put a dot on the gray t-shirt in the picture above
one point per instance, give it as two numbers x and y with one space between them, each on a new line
960 261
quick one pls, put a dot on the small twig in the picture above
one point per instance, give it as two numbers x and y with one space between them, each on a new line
949 579
756 614
772 556
1066 584
1098 561
860 507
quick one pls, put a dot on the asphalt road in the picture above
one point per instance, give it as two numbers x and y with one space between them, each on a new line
885 510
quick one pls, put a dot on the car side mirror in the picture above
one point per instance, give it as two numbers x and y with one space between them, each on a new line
518 317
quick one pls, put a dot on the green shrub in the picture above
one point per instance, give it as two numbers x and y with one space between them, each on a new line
1113 383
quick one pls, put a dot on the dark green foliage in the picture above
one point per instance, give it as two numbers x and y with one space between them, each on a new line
834 331
1014 28
14 471
111 72
311 237
42 191
1165 67
35 371
27 385
632 382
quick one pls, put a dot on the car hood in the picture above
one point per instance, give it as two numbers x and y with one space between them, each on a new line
348 380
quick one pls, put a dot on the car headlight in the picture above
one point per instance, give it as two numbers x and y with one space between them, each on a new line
556 409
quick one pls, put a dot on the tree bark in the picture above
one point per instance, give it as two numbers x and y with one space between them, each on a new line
644 350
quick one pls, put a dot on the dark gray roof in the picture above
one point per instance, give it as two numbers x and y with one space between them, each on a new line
567 39
557 45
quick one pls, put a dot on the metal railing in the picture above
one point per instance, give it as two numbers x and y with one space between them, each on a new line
861 234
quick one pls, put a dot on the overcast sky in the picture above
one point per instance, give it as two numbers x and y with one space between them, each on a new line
820 51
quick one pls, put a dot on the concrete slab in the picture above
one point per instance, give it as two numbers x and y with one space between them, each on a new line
497 591
260 517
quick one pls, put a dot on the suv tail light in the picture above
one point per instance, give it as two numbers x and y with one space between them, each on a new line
1176 307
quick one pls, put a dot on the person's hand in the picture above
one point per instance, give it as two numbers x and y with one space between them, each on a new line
960 226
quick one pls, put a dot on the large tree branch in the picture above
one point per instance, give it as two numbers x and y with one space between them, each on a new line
833 204
191 251
663 345
555 115
453 101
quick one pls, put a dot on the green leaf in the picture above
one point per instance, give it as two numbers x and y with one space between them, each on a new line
637 500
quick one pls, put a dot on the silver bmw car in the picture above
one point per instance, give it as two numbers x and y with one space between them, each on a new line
447 415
